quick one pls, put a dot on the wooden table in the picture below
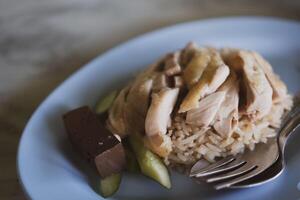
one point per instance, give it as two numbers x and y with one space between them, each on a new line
42 42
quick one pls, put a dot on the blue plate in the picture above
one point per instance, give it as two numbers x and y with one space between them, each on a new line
48 167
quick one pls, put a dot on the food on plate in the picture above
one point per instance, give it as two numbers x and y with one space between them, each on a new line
197 103
202 103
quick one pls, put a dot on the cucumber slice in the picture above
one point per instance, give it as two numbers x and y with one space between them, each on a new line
150 164
110 185
105 103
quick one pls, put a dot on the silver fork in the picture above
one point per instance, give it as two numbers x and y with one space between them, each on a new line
233 170
239 168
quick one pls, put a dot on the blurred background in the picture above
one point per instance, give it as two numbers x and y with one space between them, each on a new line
43 41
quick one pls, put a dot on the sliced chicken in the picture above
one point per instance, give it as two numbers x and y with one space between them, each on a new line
157 119
213 76
188 53
279 88
231 58
206 111
196 67
116 114
255 86
172 66
226 119
159 82
137 105
139 96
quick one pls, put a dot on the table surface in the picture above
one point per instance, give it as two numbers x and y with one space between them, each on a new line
42 42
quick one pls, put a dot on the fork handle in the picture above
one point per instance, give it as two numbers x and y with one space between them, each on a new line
290 125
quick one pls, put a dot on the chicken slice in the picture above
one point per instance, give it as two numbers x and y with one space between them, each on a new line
231 58
213 76
137 105
206 111
279 88
159 82
226 119
255 86
139 96
172 66
157 120
188 53
116 114
196 67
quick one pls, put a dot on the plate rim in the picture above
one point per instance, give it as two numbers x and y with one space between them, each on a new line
198 22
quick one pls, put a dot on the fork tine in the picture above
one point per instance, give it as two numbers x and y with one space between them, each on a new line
239 171
215 165
229 166
238 179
